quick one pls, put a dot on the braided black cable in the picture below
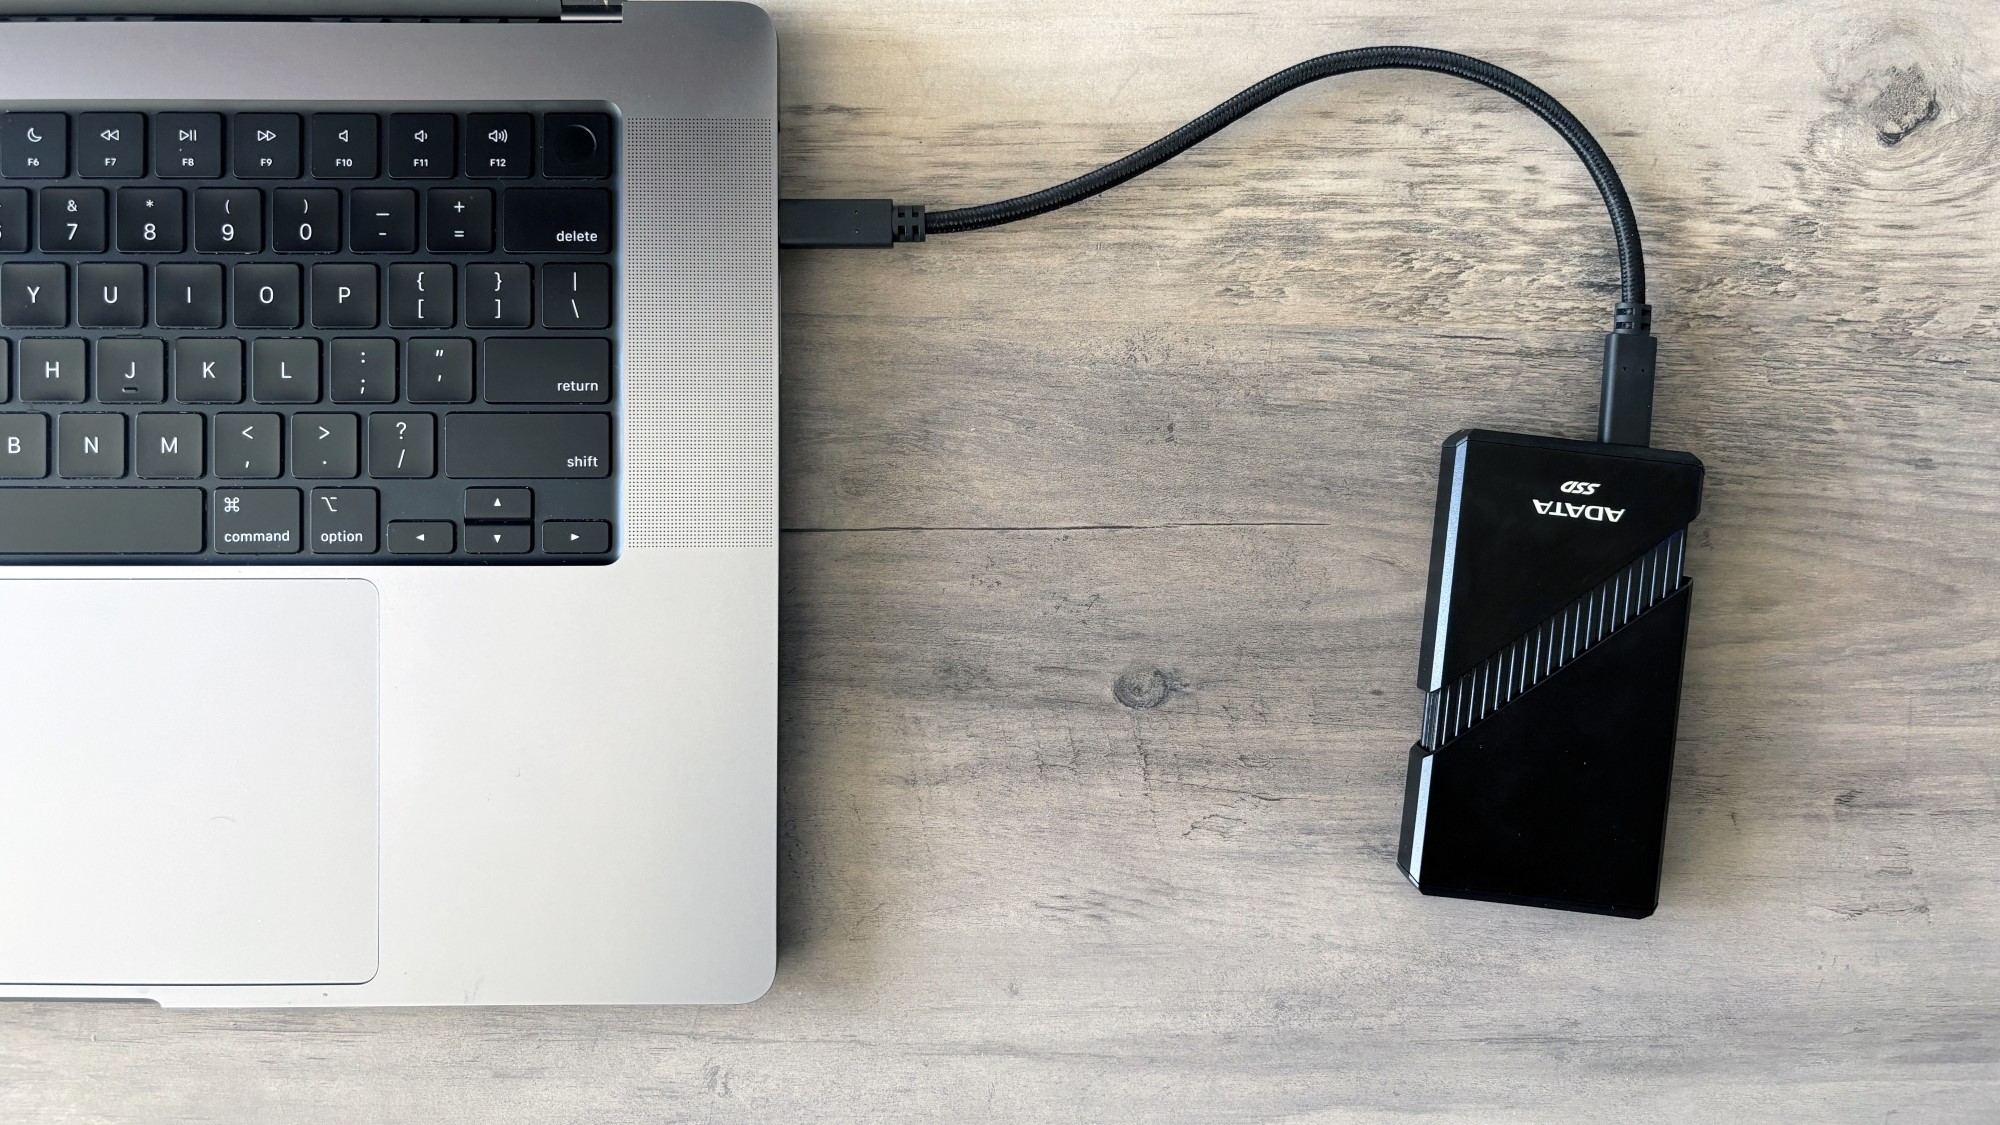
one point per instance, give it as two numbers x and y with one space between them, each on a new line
1624 224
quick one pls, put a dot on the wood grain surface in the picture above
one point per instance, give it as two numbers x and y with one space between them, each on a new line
1104 576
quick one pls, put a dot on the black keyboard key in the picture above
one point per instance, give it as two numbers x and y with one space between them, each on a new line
343 146
363 371
130 370
247 446
499 296
402 445
516 504
548 369
187 296
24 446
382 220
439 370
423 146
169 447
326 446
499 145
553 220
111 295
267 296
343 296
421 537
100 521
34 146
13 220
34 294
257 521
228 220
150 220
576 146
343 521
187 146
208 371
52 370
73 220
576 296
111 145
576 537
527 446
420 296
284 370
460 220
266 146
305 220
90 446
500 539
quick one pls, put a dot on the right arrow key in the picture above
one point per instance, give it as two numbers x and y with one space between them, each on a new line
576 537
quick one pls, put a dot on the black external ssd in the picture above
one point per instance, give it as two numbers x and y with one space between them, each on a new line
1554 634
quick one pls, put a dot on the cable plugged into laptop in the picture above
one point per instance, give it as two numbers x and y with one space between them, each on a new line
847 224
1556 621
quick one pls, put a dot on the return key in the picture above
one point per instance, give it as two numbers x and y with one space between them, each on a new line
548 370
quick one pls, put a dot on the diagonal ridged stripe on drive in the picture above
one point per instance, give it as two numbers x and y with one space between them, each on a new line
1540 652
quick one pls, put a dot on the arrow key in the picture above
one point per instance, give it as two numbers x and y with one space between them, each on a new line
510 504
500 539
111 145
420 537
576 537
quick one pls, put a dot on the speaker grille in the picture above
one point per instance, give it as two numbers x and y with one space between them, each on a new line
701 339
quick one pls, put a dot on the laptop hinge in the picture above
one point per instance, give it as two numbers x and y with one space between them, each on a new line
594 10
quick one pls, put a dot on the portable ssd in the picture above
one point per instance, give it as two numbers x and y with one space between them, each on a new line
1554 633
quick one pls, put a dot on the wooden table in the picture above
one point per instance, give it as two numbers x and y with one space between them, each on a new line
1104 569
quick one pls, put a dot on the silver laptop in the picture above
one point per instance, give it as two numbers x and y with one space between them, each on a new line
387 501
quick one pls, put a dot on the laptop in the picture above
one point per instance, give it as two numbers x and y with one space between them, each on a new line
388 569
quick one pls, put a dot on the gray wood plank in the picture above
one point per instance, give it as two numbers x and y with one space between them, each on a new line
1102 597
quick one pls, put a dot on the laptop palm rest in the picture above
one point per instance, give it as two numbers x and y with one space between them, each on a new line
188 781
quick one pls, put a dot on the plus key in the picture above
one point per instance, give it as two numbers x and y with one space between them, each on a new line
459 220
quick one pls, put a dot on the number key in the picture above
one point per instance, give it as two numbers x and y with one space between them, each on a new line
228 221
149 219
306 221
73 220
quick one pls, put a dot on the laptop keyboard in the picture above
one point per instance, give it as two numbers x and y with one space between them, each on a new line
307 335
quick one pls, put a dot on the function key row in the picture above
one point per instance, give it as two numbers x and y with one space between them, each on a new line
195 295
286 146
134 371
154 220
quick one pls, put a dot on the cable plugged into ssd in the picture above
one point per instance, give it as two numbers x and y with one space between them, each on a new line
1555 625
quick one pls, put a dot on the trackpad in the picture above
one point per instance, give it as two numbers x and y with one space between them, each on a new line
188 781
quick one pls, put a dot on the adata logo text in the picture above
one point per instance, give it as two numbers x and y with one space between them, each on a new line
1596 513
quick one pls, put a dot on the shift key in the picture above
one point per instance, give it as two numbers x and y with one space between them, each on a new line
527 446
